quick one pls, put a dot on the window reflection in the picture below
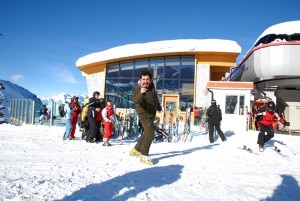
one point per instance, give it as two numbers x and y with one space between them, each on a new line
125 85
112 71
242 103
187 87
185 101
126 70
235 104
230 105
187 68
171 86
112 85
173 75
172 68
157 68
140 65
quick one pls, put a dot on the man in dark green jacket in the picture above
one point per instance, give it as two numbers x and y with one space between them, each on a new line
147 104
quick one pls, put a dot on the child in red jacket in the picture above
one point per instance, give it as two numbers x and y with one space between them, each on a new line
108 115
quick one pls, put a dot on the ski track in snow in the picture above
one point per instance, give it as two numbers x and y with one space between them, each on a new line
36 164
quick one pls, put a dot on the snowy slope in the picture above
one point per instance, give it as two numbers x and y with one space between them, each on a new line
13 91
36 164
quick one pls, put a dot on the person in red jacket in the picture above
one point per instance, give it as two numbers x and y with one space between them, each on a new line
76 110
265 116
196 116
108 115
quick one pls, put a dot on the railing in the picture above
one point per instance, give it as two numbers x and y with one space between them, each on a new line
27 111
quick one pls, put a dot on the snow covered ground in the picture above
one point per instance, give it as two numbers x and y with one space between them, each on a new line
36 164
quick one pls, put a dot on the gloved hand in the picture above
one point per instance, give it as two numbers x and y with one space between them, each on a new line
82 124
286 123
258 117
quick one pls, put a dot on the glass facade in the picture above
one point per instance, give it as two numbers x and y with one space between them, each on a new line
171 75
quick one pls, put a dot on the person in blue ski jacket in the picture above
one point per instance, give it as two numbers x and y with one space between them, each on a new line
68 117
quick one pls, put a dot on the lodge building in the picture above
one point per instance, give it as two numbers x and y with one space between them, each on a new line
181 71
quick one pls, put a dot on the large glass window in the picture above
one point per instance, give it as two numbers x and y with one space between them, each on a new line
171 86
140 65
172 68
112 71
187 69
187 87
173 75
157 70
112 85
126 70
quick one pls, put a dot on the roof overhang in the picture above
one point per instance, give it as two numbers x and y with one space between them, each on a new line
167 47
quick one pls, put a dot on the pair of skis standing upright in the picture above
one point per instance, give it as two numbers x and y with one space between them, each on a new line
174 134
185 136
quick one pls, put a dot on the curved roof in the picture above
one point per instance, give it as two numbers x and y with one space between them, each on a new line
288 28
166 46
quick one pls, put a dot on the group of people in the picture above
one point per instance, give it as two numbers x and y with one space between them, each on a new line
96 112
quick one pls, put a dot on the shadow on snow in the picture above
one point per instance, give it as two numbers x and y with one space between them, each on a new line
128 185
287 190
184 152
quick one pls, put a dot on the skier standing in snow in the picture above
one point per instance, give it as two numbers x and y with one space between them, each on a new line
108 115
84 123
214 118
76 110
265 116
94 112
196 116
68 117
44 114
147 104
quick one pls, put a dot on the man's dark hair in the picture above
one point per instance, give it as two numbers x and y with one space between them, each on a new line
96 93
145 73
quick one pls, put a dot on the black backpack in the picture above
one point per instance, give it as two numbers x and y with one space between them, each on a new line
214 115
61 110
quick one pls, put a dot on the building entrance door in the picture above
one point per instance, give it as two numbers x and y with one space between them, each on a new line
170 109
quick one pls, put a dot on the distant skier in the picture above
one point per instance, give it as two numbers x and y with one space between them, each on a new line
43 114
214 118
265 116
68 118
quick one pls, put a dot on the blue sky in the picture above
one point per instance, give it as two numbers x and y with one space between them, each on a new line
42 39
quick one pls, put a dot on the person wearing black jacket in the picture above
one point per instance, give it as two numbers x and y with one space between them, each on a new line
93 118
214 118
44 114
